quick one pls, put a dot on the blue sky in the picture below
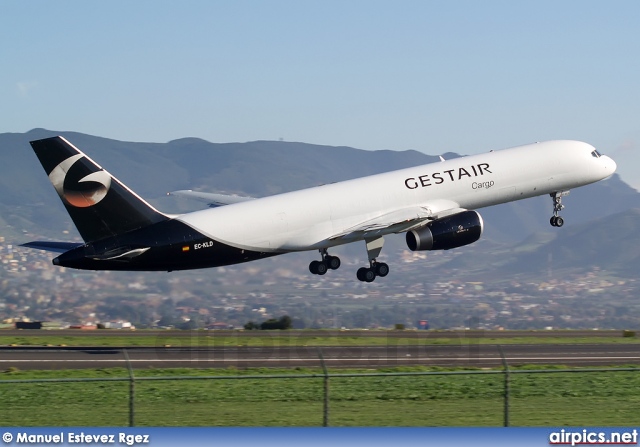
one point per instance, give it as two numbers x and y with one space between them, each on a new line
464 76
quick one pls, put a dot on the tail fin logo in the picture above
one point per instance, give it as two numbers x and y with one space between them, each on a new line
87 191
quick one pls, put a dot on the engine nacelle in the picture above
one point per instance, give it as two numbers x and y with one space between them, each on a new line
449 232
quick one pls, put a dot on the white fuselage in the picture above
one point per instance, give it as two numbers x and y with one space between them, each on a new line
311 218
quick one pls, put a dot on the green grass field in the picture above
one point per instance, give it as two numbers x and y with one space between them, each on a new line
588 398
268 339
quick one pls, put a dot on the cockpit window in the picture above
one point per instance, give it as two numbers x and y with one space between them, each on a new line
595 154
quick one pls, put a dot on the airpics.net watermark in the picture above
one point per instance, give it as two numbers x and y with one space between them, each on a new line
592 437
121 438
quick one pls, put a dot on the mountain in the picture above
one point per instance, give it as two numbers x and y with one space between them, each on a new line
609 243
583 204
28 203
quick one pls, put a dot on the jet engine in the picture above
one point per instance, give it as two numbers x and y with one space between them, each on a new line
446 233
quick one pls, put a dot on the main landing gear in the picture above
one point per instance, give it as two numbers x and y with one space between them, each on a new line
328 262
368 274
375 269
557 221
364 274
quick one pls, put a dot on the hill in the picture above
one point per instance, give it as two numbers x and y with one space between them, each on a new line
29 203
609 243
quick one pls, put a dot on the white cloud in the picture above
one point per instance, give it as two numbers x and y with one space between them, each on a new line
24 88
627 145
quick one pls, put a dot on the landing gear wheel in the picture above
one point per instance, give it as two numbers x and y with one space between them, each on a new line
369 275
322 268
318 268
365 274
333 262
556 221
313 267
382 269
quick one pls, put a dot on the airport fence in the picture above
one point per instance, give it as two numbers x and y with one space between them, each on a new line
509 396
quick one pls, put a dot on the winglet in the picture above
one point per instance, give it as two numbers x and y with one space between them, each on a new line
211 199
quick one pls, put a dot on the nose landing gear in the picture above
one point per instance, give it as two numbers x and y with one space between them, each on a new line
557 221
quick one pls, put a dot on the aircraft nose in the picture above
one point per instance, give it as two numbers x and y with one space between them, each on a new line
609 165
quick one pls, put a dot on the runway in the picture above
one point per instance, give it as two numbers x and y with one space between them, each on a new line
333 333
469 355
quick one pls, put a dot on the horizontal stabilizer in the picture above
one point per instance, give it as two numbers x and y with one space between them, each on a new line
58 247
211 199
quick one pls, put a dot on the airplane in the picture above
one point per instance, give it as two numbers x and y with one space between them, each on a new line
434 205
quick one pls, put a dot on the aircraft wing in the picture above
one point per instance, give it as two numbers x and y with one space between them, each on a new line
211 199
58 247
400 221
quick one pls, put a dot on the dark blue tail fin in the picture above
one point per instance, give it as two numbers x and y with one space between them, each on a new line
99 204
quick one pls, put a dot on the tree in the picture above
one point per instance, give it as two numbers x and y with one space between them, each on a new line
190 325
167 320
283 323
